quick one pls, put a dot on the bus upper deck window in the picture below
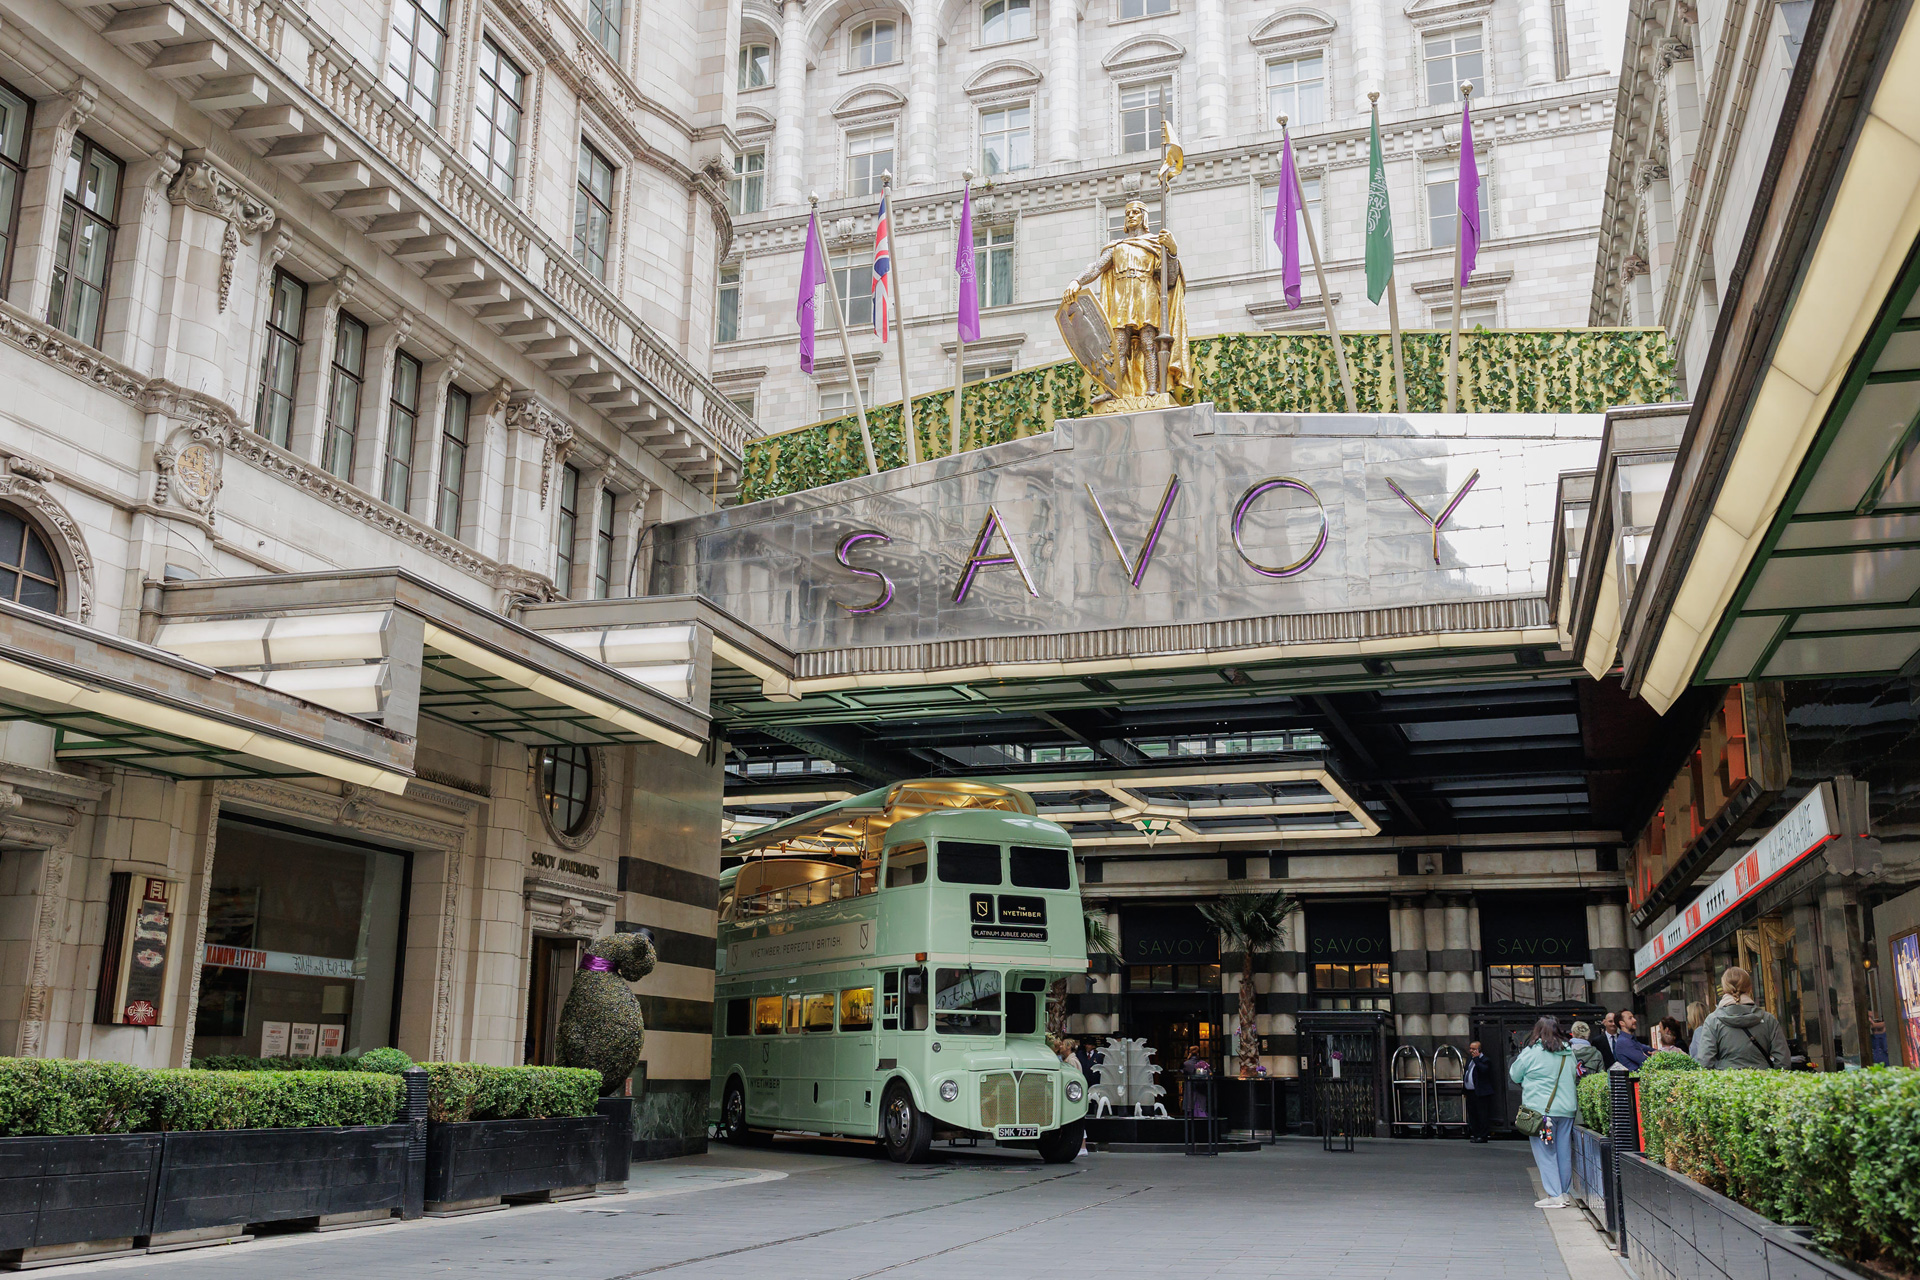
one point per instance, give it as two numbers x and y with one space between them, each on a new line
766 1015
819 1012
964 862
793 1015
1034 868
966 1001
906 864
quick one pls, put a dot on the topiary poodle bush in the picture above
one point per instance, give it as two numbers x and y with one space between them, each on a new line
461 1091
600 1025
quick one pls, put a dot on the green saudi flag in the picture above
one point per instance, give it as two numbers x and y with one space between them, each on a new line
1379 219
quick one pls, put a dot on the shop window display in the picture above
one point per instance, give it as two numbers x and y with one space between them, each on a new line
1352 986
304 940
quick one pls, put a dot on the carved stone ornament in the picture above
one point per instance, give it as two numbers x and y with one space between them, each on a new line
1633 268
23 483
189 467
565 908
556 436
201 186
1649 172
1672 51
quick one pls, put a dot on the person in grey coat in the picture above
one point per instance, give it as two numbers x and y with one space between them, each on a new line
1738 1034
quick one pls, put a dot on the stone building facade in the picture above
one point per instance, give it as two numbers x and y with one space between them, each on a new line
1056 108
351 351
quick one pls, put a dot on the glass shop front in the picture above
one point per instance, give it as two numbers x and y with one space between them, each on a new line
305 936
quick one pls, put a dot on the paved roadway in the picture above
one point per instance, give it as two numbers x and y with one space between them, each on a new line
1388 1210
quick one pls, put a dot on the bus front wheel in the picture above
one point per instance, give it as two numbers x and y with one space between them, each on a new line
905 1130
1062 1145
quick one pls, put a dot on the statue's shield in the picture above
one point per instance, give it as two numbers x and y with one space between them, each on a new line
1084 326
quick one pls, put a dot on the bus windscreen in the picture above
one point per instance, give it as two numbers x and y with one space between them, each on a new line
966 1001
964 862
1034 868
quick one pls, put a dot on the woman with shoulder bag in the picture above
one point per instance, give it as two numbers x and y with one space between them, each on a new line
1738 1034
1545 1071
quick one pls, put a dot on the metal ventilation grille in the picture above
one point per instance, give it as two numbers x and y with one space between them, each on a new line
999 1100
1036 1098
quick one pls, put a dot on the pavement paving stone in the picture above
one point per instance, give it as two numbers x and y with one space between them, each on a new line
1386 1211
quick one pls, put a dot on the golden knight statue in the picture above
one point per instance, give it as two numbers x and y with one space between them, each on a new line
1140 292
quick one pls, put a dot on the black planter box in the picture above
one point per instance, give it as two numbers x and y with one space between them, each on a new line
483 1159
220 1178
619 1114
1593 1177
56 1191
1677 1229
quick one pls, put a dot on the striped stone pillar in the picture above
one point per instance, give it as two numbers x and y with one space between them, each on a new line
1455 965
1411 1002
1611 950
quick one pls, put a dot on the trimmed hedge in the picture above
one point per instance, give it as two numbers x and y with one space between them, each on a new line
460 1091
52 1097
1839 1153
1596 1103
241 1062
1658 1067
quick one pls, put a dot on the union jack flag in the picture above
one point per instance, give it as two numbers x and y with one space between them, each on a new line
882 265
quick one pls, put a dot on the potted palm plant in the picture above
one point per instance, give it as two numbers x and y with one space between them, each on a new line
1253 922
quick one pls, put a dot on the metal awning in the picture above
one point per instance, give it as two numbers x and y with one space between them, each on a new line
1788 544
580 679
118 701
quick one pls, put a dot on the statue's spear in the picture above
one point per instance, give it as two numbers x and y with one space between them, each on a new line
1173 161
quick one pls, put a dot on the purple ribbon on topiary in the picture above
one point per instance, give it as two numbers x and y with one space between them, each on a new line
596 964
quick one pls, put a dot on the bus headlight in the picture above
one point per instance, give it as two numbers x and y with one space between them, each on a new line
949 1090
1074 1091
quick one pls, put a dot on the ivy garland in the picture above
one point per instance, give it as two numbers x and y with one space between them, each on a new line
1501 371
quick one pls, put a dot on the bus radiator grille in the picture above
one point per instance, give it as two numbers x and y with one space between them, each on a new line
999 1100
1036 1098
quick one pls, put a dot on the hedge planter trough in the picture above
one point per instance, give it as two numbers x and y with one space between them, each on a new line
1593 1178
74 1197
1677 1229
476 1164
216 1180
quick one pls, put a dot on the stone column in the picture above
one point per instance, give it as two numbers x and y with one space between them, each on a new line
1210 55
1370 59
1680 90
1536 41
1063 81
923 92
436 377
1287 984
790 106
1411 1001
1612 954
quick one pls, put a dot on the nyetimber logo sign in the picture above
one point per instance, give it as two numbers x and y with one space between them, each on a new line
996 546
1810 825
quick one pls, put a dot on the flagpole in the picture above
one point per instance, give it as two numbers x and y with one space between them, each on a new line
1453 346
1320 275
959 342
846 352
1393 294
899 322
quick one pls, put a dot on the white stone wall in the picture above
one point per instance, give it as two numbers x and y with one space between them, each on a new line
1541 137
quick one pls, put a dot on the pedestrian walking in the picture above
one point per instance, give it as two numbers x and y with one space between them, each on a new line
1584 1054
1877 1033
1545 1072
1479 1085
1738 1034
1627 1046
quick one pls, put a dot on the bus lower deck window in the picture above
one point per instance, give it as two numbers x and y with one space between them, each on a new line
1035 868
856 1009
766 1016
819 1012
966 1001
965 862
738 1015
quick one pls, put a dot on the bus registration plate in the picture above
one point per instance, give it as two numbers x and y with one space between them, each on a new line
1001 1132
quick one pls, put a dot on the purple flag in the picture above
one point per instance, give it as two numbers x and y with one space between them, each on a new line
1286 222
963 266
1469 191
813 271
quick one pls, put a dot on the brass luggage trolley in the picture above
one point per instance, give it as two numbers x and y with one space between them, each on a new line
1410 1089
1447 1110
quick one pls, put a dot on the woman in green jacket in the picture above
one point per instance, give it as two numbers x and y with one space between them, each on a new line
1545 1072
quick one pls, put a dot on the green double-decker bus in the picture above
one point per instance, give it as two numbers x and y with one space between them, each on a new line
885 974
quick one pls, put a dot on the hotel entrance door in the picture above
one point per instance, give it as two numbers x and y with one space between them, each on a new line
1171 1025
549 982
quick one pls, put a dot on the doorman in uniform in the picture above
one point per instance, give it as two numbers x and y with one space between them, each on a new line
1479 1089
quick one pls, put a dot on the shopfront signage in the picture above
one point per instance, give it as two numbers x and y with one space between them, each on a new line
804 946
1533 930
1348 933
1167 935
570 866
133 989
225 957
1809 826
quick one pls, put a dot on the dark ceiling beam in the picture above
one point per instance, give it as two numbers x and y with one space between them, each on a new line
1350 743
1101 739
850 750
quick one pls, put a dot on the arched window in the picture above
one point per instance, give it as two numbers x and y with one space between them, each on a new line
873 44
29 574
1004 20
756 66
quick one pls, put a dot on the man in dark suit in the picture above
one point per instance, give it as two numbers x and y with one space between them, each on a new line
1479 1083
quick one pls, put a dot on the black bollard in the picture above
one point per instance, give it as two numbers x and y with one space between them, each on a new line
1623 1133
416 1121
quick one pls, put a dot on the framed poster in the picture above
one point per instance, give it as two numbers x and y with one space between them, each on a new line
138 952
273 1039
1904 950
305 1036
332 1036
